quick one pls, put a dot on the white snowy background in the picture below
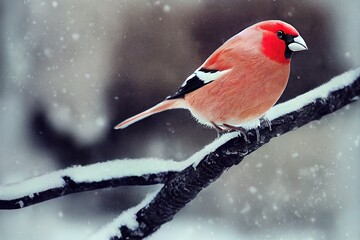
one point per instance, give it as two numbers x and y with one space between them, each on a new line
71 70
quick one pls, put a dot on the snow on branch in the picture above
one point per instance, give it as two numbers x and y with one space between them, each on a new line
96 176
182 180
127 218
85 178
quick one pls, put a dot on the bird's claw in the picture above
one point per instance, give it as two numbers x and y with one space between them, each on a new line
264 121
224 128
241 130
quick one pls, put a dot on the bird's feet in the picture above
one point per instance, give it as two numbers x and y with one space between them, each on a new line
219 130
264 121
224 128
227 128
241 130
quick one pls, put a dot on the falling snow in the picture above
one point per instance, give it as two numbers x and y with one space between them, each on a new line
75 36
61 52
252 190
357 142
166 8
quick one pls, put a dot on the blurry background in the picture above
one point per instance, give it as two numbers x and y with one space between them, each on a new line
71 70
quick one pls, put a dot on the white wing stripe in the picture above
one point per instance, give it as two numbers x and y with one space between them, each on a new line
207 77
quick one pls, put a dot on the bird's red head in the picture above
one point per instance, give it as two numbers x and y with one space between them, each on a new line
280 40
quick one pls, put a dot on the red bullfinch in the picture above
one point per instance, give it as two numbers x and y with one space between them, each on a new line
240 81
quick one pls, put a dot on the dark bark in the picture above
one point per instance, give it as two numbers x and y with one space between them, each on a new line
71 186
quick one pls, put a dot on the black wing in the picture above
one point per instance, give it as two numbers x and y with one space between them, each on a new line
193 82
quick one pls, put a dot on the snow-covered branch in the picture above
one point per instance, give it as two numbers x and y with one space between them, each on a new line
85 178
185 185
182 181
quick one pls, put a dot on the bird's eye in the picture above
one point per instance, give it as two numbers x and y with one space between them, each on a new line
280 34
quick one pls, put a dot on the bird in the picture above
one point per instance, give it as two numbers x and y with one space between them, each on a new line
239 82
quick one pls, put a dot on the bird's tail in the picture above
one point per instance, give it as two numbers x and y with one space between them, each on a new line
163 106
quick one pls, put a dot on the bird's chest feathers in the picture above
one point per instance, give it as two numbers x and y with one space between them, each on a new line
246 91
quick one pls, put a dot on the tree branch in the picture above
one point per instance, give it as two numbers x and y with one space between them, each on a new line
85 178
184 186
